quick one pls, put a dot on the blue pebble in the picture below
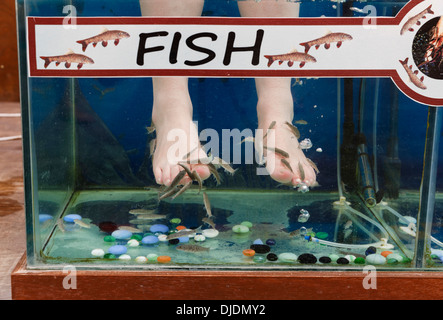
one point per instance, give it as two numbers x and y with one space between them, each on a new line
149 240
44 217
159 228
270 242
72 217
117 250
257 241
183 239
121 234
370 250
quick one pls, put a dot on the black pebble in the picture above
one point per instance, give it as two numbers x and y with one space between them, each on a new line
272 257
342 261
325 260
307 258
260 248
370 250
174 241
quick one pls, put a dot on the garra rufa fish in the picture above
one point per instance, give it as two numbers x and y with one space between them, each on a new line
338 37
104 37
413 76
68 58
415 20
291 57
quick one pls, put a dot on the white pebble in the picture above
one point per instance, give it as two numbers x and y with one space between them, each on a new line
375 258
133 243
162 237
210 233
125 257
319 150
98 253
350 257
287 257
395 256
141 259
199 238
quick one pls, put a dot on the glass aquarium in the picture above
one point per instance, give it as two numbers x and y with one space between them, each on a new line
158 137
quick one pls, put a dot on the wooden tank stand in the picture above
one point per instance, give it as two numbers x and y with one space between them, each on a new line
224 285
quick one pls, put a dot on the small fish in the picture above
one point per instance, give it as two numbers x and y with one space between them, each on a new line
190 174
152 145
278 151
286 163
248 139
413 75
357 10
294 129
313 165
182 189
302 171
271 126
104 37
131 229
169 193
291 57
214 171
192 248
209 221
225 165
348 224
207 204
182 233
82 224
415 20
142 211
60 225
186 156
347 233
175 181
305 144
301 122
329 38
68 59
198 179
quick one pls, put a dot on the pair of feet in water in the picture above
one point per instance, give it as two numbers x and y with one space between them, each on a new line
176 138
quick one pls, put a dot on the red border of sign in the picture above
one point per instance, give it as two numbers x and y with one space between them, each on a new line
33 21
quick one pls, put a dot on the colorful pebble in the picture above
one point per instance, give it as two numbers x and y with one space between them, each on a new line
260 248
122 234
71 217
259 259
175 220
117 250
334 257
239 228
395 256
359 260
178 228
257 241
270 242
210 233
321 235
150 240
109 256
370 250
350 257
163 259
125 257
249 252
183 239
342 260
199 238
272 257
109 239
325 260
386 253
287 257
375 259
247 223
162 237
152 257
98 253
159 228
133 243
307 258
141 259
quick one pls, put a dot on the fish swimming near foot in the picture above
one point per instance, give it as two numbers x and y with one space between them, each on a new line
182 189
415 20
413 75
68 59
287 165
104 37
294 129
193 248
209 221
313 165
291 57
326 40
207 204
278 151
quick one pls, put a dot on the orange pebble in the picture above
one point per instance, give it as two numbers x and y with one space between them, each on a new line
249 252
180 228
163 259
386 253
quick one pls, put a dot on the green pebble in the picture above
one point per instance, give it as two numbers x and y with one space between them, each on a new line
392 261
109 239
247 223
137 237
240 228
434 256
322 235
109 256
359 260
259 259
334 257
175 220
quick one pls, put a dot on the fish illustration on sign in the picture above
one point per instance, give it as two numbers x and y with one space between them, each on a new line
105 36
291 57
68 58
415 20
413 75
329 38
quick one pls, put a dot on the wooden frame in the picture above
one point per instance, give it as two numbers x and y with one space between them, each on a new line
223 285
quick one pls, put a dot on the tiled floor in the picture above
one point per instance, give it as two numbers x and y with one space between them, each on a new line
12 219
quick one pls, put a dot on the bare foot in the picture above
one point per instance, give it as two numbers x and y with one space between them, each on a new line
177 140
285 160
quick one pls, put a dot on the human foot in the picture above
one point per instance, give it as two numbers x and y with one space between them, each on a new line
285 160
176 141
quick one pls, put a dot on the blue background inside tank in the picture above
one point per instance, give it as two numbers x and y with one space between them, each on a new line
231 104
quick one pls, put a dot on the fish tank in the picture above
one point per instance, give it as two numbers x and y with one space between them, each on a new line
232 135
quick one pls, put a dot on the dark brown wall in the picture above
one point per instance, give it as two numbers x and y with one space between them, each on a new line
9 84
